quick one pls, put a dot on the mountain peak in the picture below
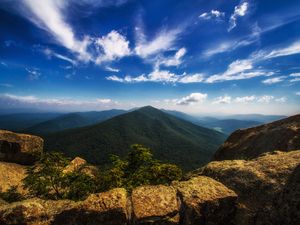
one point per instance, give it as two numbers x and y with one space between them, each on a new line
148 107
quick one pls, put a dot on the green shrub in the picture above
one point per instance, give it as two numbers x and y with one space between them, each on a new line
47 180
138 168
11 195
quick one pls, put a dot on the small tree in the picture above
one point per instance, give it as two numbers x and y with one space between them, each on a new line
47 180
138 168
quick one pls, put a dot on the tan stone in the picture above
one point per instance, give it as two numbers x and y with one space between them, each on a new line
206 201
155 205
283 135
12 174
20 148
268 186
80 165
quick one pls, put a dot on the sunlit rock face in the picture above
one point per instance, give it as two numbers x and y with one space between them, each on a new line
283 135
20 148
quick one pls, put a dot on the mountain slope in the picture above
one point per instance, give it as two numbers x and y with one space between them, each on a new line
73 120
226 126
21 121
250 143
171 139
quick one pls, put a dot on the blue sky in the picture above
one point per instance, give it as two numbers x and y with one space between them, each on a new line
194 56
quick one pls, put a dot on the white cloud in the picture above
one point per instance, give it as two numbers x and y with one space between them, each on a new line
231 45
49 53
239 11
222 100
111 69
112 46
291 49
281 100
296 77
265 99
49 15
104 100
245 99
298 93
191 78
173 61
163 41
237 70
27 99
54 103
164 76
33 74
191 99
295 74
213 14
274 80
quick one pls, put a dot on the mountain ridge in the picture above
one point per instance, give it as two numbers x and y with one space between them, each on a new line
171 139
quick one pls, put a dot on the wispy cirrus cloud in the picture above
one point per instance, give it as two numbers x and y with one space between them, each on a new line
33 73
274 80
163 41
238 70
49 16
55 103
213 14
295 77
287 50
175 60
6 85
111 69
157 75
231 45
50 53
239 11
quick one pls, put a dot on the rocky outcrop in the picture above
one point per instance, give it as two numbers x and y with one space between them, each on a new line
206 201
199 198
283 135
268 187
155 205
11 174
20 148
80 165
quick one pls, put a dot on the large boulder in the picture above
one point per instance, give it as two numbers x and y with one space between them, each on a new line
155 205
268 187
33 212
283 135
11 174
20 148
107 208
206 201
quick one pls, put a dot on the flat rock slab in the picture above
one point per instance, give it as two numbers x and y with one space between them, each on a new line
155 205
205 201
20 148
